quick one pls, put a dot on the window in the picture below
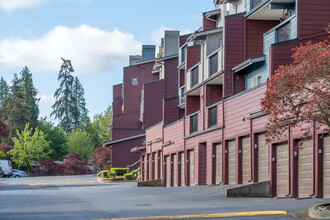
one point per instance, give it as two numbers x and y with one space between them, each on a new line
194 76
256 80
193 123
283 33
181 94
213 116
213 64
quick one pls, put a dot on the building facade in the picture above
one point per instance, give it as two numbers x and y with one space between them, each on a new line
204 124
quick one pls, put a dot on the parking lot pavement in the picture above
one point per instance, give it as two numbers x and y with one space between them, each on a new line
80 197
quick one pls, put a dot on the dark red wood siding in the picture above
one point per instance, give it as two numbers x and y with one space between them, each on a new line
170 110
171 77
213 94
132 93
153 102
192 104
254 36
183 39
208 24
313 16
193 56
121 153
234 51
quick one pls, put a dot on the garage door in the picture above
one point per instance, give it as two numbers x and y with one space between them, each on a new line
161 165
231 161
218 163
326 164
168 170
246 160
175 170
182 163
191 167
305 169
282 170
262 158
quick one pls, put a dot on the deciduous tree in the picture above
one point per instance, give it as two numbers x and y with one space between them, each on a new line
300 92
101 157
29 147
80 142
102 124
56 137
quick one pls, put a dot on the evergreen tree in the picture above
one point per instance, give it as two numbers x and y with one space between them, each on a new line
79 110
62 109
87 126
30 93
4 89
15 111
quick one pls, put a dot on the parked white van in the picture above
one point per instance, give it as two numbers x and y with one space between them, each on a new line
7 167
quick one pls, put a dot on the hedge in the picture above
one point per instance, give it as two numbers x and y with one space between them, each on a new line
128 176
119 171
104 173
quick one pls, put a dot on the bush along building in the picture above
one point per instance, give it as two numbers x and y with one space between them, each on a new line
195 117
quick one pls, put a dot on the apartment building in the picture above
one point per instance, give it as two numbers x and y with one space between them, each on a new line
209 127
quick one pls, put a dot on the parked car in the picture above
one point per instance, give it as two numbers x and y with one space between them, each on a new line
18 174
7 167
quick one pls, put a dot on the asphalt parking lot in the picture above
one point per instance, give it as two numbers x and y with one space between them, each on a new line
81 197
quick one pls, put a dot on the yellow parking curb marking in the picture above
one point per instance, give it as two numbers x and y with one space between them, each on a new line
216 215
46 184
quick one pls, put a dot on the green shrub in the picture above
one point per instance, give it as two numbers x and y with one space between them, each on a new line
112 174
128 176
105 173
135 172
119 171
2 155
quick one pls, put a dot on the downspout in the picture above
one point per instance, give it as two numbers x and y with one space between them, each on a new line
207 16
203 64
289 146
314 155
251 151
222 137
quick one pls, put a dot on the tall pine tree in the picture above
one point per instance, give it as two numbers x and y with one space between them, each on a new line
30 93
79 110
15 111
4 89
62 109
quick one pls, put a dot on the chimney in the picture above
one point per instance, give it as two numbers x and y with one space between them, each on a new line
133 59
171 43
148 52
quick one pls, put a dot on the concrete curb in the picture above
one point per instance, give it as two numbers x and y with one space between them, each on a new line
319 213
216 215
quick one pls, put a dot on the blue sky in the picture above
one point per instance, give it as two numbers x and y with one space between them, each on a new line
97 35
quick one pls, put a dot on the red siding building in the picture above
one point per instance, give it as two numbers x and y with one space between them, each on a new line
204 125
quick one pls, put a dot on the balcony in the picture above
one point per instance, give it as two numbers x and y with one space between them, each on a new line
271 9
213 116
182 97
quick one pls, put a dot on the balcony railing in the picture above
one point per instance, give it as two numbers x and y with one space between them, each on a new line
182 98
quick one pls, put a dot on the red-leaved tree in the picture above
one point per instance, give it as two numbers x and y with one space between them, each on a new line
299 94
48 167
100 158
73 165
6 149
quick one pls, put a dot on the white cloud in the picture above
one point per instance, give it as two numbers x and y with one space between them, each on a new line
46 99
11 5
91 50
